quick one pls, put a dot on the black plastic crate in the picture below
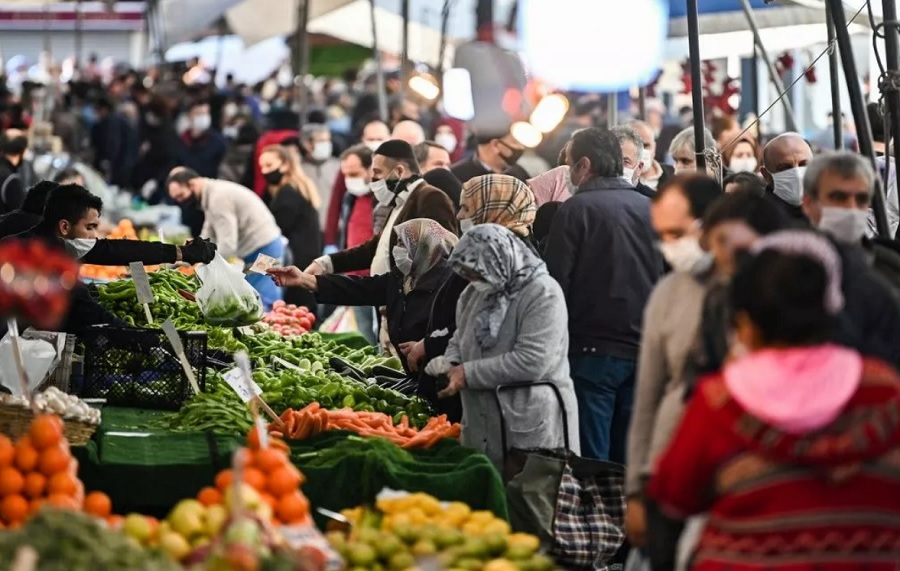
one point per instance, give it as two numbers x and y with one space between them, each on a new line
139 368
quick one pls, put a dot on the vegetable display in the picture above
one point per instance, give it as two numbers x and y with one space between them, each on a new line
313 419
288 319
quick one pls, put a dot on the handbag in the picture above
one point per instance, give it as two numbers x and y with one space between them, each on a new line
574 505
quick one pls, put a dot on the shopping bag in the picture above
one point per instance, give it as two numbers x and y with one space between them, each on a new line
575 506
343 320
39 357
225 297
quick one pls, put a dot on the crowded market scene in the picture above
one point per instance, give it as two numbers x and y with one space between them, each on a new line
464 285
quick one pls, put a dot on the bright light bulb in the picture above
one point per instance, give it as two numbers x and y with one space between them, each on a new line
425 85
458 100
526 134
549 112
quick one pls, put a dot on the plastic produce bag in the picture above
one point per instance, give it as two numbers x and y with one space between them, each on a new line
38 356
226 298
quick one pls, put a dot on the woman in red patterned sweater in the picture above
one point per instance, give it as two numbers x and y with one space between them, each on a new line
794 447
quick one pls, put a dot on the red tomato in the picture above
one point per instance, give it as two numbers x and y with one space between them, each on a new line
278 304
305 323
312 318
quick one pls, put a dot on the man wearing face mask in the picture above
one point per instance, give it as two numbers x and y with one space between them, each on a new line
493 155
632 158
784 162
837 195
602 251
318 163
202 150
374 133
397 184
653 174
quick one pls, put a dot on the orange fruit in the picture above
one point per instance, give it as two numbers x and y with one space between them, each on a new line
53 460
114 521
269 460
269 499
63 483
255 478
209 496
45 431
223 480
14 509
253 439
26 455
35 484
36 504
283 481
7 452
11 481
292 507
62 501
98 504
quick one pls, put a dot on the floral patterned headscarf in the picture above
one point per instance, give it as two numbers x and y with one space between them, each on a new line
503 260
421 244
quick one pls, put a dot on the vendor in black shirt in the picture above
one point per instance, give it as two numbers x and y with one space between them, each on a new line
493 155
71 217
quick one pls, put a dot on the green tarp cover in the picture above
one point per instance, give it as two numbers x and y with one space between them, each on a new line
149 471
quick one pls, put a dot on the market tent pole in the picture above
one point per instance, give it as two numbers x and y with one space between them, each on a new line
858 107
773 74
379 71
642 103
612 109
837 122
696 84
890 83
404 46
445 20
301 58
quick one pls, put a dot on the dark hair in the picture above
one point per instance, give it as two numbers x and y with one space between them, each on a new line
446 181
747 182
543 220
36 196
756 211
104 102
66 173
183 176
13 145
421 150
601 148
784 295
700 191
360 151
196 103
876 119
70 202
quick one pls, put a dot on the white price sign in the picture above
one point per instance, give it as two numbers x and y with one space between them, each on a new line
235 379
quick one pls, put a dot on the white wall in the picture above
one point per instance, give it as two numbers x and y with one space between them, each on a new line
121 45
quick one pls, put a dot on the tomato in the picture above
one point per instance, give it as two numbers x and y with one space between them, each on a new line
278 304
305 323
312 318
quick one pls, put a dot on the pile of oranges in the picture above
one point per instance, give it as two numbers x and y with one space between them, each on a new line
37 470
268 471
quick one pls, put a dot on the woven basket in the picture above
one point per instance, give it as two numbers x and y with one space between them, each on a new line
15 421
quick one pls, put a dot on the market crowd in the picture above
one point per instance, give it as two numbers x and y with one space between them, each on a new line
734 344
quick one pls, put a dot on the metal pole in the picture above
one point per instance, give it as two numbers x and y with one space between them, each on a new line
445 19
612 109
858 107
379 70
79 37
301 65
837 123
892 63
693 21
773 74
642 103
756 83
404 50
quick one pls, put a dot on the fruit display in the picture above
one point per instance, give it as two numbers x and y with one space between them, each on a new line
55 401
313 419
70 541
407 530
288 319
123 231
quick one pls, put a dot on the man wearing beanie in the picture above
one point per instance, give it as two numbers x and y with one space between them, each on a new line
396 184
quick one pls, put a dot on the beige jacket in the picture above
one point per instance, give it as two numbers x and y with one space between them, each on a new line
237 220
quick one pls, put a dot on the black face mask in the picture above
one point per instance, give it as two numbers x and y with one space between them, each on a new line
191 203
513 156
273 177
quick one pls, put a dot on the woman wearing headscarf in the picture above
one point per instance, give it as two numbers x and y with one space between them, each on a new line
794 446
418 269
512 328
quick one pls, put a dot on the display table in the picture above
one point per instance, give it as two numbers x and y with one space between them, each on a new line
150 470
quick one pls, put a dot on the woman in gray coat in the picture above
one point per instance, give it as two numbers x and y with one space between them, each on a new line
512 327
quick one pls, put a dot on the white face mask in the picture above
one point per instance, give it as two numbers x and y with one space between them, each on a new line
356 185
570 184
383 194
321 151
401 258
231 131
446 140
647 159
465 225
745 164
79 247
201 123
683 254
372 145
628 174
685 170
788 185
847 225
483 287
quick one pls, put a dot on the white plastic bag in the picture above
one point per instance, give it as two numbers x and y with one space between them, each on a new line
38 356
226 298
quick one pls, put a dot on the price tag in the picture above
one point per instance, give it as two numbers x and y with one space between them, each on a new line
142 286
172 334
235 379
263 263
243 364
282 363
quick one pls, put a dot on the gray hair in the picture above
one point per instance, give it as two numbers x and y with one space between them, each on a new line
685 139
310 130
845 164
624 133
